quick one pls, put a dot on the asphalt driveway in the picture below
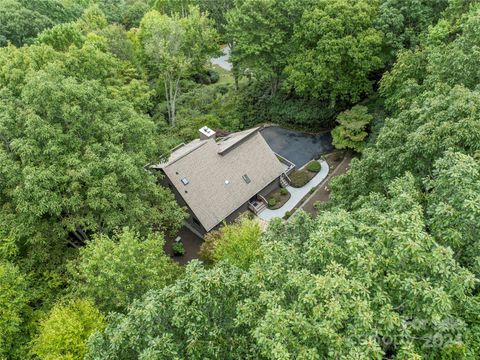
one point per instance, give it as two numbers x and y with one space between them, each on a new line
296 146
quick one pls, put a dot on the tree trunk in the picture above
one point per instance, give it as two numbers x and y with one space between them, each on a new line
275 83
171 92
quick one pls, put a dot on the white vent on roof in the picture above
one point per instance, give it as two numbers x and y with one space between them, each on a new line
206 133
184 181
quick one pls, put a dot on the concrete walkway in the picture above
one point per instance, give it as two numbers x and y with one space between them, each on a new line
297 194
222 61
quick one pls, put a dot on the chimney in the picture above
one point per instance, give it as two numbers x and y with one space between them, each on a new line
206 133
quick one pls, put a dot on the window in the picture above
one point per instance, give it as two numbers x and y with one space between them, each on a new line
246 179
184 181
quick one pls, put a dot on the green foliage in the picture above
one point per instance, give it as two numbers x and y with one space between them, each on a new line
402 22
453 207
336 49
287 215
312 281
22 20
199 310
261 32
115 271
350 133
284 191
299 178
61 37
64 332
174 48
272 201
14 311
237 244
314 166
72 159
178 249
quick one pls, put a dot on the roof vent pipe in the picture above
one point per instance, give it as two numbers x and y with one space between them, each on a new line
206 133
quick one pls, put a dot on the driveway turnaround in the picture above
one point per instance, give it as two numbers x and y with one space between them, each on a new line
223 61
297 194
296 146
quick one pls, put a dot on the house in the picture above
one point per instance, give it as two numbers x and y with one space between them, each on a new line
219 178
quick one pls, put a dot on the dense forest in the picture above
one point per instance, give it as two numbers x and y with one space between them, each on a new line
91 91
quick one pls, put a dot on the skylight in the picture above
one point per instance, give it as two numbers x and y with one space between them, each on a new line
184 181
246 179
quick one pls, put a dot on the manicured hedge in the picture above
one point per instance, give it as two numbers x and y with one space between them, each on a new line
314 166
299 178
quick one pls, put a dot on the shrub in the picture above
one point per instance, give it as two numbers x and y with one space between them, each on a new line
272 201
314 166
283 191
178 249
299 178
287 215
214 77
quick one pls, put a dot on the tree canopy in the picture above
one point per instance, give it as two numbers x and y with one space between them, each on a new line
115 271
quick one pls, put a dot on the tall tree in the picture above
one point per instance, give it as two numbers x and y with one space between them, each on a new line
260 32
72 159
402 22
370 283
336 48
115 271
453 206
14 312
237 244
64 332
175 47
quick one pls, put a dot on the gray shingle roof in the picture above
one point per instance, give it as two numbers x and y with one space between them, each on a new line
215 170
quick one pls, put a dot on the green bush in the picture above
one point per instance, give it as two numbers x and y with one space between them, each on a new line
214 76
178 249
299 178
272 201
314 166
287 215
283 191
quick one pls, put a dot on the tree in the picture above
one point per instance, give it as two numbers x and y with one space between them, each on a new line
14 311
237 244
18 24
64 332
22 20
194 318
175 46
370 283
61 37
72 159
431 96
453 200
260 32
115 271
403 22
336 48
351 132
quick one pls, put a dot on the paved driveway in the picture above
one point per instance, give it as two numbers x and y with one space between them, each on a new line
296 146
223 61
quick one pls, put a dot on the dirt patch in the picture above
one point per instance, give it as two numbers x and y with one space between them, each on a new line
190 241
